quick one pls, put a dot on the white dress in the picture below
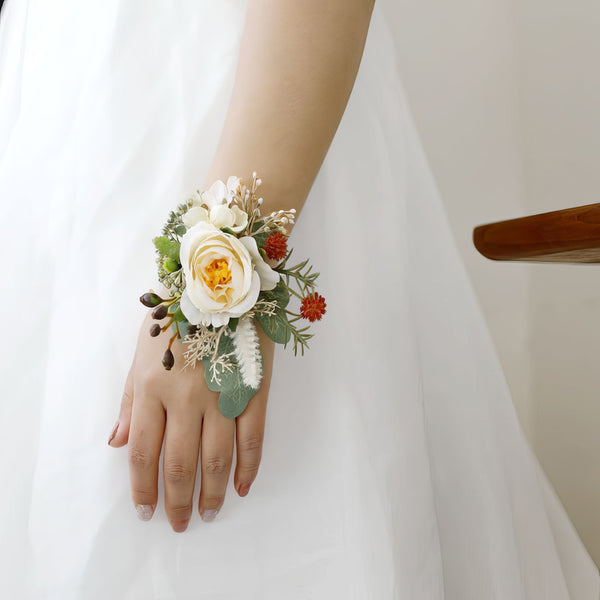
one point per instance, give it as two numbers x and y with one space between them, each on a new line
393 463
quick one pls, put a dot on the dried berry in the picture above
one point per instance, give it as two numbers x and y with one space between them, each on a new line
155 330
160 312
168 359
150 299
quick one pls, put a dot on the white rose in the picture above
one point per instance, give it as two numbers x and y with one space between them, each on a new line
223 275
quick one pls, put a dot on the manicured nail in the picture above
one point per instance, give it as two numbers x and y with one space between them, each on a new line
179 525
244 489
113 433
145 511
209 515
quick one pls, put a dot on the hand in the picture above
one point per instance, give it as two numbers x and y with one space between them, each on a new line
179 405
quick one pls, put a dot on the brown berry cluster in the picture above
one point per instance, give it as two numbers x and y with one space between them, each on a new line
160 310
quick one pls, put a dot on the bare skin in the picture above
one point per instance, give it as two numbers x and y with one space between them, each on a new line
297 66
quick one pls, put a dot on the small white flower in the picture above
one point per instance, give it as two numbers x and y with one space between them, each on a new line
213 206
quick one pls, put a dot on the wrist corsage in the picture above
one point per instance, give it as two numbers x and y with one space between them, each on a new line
226 268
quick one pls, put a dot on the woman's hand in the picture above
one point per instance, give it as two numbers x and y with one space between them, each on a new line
178 405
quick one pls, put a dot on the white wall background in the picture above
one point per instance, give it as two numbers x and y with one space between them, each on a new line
506 95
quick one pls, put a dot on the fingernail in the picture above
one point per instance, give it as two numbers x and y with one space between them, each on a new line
209 515
113 433
244 489
179 525
145 511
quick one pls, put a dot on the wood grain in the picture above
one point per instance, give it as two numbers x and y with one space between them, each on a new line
570 235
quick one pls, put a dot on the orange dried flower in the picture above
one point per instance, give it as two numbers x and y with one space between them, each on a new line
276 246
313 307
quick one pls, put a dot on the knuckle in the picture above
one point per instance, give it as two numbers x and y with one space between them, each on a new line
140 458
147 382
177 472
251 442
213 501
249 470
179 512
215 465
127 397
140 496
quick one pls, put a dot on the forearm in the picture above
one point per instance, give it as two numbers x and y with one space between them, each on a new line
297 66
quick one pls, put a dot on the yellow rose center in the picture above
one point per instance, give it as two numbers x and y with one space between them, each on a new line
216 273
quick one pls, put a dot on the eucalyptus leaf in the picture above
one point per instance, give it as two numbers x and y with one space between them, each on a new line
275 326
232 404
279 293
261 239
178 315
180 230
183 327
228 378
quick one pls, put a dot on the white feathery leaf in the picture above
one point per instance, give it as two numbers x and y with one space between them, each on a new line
247 352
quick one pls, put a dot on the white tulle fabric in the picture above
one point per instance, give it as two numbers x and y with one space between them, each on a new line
393 465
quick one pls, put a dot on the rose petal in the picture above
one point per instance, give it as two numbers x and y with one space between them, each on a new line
268 278
192 313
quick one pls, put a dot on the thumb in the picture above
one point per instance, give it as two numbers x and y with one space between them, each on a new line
120 432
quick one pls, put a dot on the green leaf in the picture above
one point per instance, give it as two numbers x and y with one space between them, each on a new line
234 395
257 225
183 327
279 293
170 265
233 323
233 403
180 229
229 231
275 326
225 347
261 239
167 247
178 315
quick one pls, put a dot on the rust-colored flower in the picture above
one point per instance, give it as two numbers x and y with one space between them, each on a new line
313 307
276 246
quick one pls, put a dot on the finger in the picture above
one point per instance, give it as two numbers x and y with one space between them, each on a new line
145 441
250 425
120 432
217 455
182 444
249 440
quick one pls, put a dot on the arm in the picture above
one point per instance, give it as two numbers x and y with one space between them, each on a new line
297 66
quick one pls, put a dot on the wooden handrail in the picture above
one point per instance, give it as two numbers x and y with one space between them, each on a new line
571 235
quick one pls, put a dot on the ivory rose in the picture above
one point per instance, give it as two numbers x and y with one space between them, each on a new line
223 275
